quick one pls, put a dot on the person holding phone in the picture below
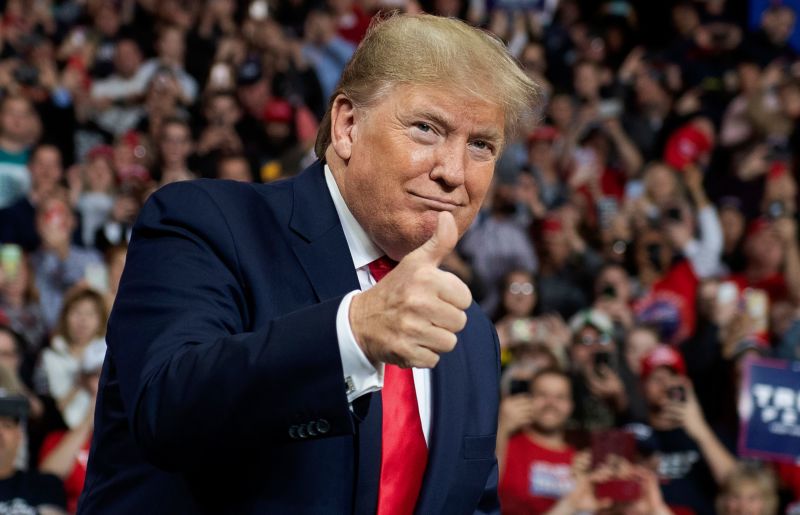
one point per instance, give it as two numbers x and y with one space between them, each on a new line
534 457
601 396
690 459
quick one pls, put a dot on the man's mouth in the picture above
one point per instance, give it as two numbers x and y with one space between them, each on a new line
437 203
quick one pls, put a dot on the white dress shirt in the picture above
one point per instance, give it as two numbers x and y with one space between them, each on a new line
360 375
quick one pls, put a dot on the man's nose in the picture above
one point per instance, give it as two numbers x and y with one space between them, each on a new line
450 165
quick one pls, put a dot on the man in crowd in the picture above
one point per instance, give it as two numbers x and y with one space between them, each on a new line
691 461
18 121
117 98
536 460
251 332
23 491
601 398
18 221
58 264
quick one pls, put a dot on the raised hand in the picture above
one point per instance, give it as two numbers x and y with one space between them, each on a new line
412 316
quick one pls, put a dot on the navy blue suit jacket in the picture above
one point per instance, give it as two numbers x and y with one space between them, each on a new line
223 391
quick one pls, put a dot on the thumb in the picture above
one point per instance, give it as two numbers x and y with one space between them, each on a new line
442 242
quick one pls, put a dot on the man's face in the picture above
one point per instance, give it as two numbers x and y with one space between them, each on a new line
128 58
171 46
657 385
223 110
176 143
10 439
235 170
45 168
587 342
764 249
418 151
9 357
16 118
551 397
745 499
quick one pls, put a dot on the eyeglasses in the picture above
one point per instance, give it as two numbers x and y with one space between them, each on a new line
520 288
591 340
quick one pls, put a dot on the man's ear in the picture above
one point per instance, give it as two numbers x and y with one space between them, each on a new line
343 120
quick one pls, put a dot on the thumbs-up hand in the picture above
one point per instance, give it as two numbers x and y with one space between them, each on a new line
412 316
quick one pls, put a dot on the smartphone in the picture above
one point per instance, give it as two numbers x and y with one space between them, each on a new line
676 393
609 291
756 305
78 37
259 10
10 260
96 276
521 331
776 209
220 76
727 292
613 442
601 359
519 386
609 109
674 214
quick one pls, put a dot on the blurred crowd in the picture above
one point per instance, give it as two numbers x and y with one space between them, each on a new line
638 246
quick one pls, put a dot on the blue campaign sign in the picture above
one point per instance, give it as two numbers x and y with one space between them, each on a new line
769 410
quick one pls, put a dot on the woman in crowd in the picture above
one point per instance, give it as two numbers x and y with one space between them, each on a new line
81 329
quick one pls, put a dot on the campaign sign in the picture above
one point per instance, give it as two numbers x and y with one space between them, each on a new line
769 410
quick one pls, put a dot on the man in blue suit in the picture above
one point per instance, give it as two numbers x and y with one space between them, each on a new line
257 365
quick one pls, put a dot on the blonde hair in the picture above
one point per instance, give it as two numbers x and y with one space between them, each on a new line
757 475
422 49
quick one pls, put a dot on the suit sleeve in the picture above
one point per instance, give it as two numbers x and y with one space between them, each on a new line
490 499
197 387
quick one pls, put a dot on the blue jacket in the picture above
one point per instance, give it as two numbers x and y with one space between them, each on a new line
222 390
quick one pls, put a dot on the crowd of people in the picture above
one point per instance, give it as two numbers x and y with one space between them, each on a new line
638 246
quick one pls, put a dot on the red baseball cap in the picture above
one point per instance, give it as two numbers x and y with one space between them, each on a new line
685 146
277 110
551 224
544 133
757 225
663 356
101 151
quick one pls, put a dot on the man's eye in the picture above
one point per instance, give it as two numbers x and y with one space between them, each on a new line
424 127
482 145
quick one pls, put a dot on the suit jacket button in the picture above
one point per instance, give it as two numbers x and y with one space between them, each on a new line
312 428
323 426
302 431
293 433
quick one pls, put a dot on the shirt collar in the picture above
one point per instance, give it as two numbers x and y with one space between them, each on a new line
362 249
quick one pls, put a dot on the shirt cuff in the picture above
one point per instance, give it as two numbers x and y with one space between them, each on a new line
360 376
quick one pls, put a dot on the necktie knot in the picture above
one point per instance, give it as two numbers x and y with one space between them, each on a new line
381 266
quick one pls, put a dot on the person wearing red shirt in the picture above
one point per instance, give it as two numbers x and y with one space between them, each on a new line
773 259
535 460
65 453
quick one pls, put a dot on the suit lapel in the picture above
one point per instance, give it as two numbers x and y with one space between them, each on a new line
447 428
320 246
322 250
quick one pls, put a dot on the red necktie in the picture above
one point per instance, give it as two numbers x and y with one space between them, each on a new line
404 453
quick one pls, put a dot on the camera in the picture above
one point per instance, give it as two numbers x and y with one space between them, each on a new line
674 214
776 209
601 359
676 393
609 291
519 386
26 75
